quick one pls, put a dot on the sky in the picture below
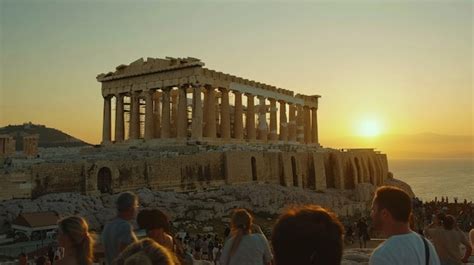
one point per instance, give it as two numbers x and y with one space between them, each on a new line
386 70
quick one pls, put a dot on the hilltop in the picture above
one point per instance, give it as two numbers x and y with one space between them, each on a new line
48 137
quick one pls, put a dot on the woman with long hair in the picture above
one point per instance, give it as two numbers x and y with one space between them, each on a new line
74 237
245 247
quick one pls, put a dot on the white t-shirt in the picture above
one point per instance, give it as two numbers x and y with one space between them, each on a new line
252 250
403 250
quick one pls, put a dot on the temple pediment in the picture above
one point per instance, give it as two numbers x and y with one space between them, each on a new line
150 65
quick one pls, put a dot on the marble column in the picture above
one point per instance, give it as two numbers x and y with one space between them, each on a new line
157 114
250 117
225 113
307 124
119 119
238 111
299 124
182 116
106 126
262 119
174 112
314 125
134 125
166 122
149 121
273 120
205 110
292 123
196 124
210 127
283 122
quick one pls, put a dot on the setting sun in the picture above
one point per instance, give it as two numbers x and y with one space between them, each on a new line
369 128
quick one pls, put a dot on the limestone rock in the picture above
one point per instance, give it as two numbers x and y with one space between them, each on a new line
400 184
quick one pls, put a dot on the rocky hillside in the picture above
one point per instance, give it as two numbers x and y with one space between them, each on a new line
48 137
196 210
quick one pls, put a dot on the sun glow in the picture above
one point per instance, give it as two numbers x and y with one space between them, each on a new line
369 128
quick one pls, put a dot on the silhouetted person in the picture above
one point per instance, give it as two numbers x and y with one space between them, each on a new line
307 235
22 259
446 239
362 232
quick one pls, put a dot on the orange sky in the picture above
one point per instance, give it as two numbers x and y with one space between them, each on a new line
404 65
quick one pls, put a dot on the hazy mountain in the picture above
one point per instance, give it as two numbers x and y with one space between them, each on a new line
48 137
422 145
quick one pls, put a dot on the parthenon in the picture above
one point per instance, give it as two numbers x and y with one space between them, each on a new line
177 99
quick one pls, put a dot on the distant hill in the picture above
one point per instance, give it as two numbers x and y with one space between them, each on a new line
413 146
48 137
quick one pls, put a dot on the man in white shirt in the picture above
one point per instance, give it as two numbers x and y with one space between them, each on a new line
391 210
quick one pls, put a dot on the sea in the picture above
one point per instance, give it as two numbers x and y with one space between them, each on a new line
437 177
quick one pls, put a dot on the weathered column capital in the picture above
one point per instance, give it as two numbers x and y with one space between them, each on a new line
108 97
223 89
237 92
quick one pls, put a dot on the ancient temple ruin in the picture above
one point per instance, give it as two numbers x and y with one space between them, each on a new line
179 99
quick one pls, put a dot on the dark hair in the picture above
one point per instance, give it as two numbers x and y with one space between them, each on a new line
307 235
150 219
448 222
41 260
395 201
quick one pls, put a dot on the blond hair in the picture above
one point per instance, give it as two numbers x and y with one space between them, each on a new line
146 252
77 230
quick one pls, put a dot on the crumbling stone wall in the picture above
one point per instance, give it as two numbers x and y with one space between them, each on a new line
15 185
57 177
308 169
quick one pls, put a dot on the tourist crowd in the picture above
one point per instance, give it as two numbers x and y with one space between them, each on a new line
302 235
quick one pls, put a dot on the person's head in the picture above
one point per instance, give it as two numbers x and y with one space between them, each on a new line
390 206
41 260
449 222
74 237
439 219
127 205
153 221
307 235
146 252
22 259
241 222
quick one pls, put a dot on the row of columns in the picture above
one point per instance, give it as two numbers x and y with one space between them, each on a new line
301 125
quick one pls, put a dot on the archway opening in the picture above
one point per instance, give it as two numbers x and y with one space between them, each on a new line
104 180
349 177
359 171
254 169
329 167
293 169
